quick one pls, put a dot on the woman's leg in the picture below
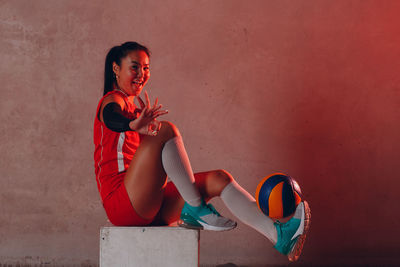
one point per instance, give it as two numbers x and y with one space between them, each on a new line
287 237
157 157
221 183
145 177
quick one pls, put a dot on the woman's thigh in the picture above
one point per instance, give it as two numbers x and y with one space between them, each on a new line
145 178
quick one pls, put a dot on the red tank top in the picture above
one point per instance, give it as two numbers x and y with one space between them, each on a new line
113 150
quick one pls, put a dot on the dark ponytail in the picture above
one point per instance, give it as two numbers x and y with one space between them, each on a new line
115 55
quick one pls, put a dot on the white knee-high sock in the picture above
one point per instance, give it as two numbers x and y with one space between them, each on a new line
245 208
177 166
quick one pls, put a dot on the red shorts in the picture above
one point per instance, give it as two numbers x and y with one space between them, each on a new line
120 211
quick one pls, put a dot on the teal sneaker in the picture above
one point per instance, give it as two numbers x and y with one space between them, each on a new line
204 217
292 234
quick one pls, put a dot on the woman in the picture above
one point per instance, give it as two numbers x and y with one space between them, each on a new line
135 153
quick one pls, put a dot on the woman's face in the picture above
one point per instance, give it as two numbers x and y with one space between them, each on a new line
133 72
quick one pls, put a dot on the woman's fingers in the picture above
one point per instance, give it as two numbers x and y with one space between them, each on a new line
148 103
155 103
159 113
147 98
150 112
155 127
157 108
142 105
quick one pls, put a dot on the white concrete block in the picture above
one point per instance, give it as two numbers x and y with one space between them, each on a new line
160 246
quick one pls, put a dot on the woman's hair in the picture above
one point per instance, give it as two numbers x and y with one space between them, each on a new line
115 55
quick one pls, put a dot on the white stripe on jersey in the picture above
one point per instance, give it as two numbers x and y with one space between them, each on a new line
120 156
101 158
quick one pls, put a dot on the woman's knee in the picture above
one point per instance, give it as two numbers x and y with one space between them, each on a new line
168 130
219 179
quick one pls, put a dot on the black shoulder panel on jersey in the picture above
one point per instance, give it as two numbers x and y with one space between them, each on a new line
113 118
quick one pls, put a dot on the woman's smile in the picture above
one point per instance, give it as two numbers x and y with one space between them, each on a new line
138 83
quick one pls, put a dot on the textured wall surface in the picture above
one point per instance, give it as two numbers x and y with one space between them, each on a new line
310 88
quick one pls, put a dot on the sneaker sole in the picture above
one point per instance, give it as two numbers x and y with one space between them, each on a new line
294 254
216 228
204 226
183 224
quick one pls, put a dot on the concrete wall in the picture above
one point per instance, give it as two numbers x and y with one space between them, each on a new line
310 88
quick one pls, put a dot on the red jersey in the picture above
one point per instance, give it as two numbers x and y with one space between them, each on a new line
113 150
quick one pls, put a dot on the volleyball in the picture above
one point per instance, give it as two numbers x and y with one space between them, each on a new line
278 195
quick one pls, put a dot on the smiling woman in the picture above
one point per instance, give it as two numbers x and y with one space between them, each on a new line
130 64
134 154
133 72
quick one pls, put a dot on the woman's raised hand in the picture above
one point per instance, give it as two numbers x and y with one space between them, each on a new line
146 123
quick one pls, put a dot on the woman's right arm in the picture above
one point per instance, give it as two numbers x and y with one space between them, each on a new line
145 123
112 116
